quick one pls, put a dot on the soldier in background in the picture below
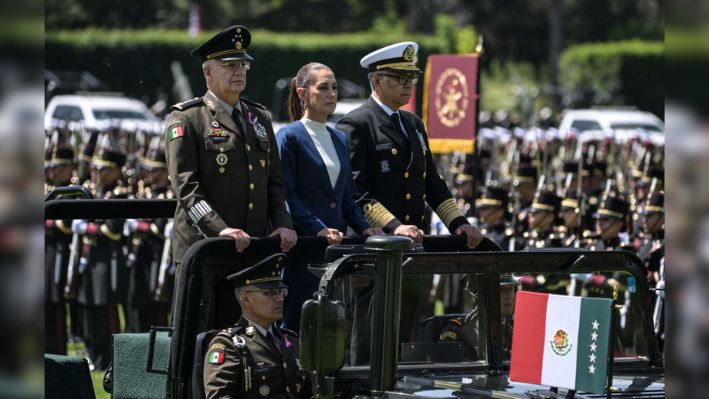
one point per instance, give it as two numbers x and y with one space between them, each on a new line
542 219
146 242
652 247
102 263
493 215
57 245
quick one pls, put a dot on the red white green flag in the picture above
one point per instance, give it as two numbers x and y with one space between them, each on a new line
561 341
174 132
216 358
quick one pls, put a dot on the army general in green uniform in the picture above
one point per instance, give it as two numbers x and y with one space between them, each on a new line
223 163
255 358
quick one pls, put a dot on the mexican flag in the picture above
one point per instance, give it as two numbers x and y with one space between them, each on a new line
216 358
174 132
561 341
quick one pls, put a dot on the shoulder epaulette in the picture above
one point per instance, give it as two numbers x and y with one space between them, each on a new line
289 332
187 104
231 331
254 103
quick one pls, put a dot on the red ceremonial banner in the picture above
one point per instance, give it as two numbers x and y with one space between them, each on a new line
450 102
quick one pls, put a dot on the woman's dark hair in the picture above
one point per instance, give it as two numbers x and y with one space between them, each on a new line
304 77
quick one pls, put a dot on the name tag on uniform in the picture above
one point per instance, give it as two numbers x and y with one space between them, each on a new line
383 146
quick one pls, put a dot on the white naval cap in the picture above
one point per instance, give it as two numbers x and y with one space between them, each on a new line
399 57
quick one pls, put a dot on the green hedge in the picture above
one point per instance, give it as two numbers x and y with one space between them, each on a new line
138 62
616 73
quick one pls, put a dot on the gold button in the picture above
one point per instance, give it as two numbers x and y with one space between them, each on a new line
408 196
393 151
424 196
251 205
406 174
221 149
333 205
407 218
251 186
263 378
288 389
221 170
423 217
248 148
251 167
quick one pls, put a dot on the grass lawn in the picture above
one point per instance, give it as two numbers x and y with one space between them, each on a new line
78 349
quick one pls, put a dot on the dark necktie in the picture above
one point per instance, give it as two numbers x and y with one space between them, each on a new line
397 125
273 341
238 118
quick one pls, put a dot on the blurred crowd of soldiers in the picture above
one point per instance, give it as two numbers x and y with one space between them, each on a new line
93 266
526 189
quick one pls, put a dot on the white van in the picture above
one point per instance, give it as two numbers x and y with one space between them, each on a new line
97 109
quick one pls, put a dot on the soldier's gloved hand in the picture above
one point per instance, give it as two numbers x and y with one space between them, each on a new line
473 235
373 231
288 238
131 225
79 226
333 236
411 231
241 239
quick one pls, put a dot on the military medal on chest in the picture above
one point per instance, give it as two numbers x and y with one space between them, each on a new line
259 129
222 160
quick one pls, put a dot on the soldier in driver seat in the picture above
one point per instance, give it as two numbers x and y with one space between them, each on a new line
466 328
255 358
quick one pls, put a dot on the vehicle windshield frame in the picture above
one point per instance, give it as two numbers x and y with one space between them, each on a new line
491 265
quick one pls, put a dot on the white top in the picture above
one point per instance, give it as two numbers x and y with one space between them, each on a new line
326 148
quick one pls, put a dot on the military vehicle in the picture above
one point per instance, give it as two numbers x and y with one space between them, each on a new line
375 326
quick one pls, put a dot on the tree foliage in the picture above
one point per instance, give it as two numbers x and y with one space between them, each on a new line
513 29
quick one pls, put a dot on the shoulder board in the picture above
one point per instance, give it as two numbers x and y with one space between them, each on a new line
253 103
289 332
231 331
187 104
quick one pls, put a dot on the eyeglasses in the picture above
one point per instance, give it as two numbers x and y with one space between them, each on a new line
403 79
273 292
235 65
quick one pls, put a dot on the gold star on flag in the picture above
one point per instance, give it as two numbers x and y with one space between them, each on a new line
593 347
595 324
591 369
594 336
592 358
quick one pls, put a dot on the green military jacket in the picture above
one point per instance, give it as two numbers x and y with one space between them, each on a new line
241 363
223 176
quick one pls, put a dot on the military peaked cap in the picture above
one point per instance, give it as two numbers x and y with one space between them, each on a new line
264 274
229 44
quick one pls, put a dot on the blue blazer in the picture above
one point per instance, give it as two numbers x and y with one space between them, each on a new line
312 201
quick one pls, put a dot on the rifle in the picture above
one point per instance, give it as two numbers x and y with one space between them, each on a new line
72 282
161 291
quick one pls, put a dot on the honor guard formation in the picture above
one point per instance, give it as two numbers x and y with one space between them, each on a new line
232 176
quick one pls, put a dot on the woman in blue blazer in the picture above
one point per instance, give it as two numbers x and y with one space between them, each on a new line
318 176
